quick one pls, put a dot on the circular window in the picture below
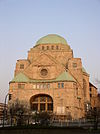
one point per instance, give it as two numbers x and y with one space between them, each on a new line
44 72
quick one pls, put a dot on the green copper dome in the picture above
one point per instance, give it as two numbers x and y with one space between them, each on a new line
51 39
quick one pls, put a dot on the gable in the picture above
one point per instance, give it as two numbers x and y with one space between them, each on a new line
44 61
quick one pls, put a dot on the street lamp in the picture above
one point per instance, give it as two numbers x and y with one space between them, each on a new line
4 110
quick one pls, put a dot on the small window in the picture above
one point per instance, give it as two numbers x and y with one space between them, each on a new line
34 86
41 86
21 86
90 95
44 86
58 85
42 47
57 47
47 47
62 85
74 65
21 66
52 47
44 72
48 85
37 86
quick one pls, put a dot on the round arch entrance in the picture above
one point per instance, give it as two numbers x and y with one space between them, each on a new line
41 102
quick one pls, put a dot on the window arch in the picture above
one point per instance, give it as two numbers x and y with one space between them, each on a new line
41 102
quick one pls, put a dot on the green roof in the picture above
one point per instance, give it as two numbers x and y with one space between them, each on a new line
51 39
20 78
65 76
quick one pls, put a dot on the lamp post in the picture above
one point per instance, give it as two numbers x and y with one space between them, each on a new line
4 110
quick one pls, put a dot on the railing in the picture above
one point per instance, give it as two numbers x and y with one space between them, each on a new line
27 119
72 123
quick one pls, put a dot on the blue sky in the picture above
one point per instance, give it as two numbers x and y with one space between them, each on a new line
23 22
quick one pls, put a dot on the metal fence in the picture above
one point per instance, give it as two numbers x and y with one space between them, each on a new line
28 119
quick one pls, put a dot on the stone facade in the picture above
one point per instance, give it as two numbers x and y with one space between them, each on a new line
93 96
51 71
2 108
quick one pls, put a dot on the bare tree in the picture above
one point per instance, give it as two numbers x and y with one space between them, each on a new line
97 82
17 111
42 118
94 116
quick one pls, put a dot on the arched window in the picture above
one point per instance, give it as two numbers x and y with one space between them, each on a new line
44 72
41 102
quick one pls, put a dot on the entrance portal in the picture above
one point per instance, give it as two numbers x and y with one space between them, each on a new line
41 102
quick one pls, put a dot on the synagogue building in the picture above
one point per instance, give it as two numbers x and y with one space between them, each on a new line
51 79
